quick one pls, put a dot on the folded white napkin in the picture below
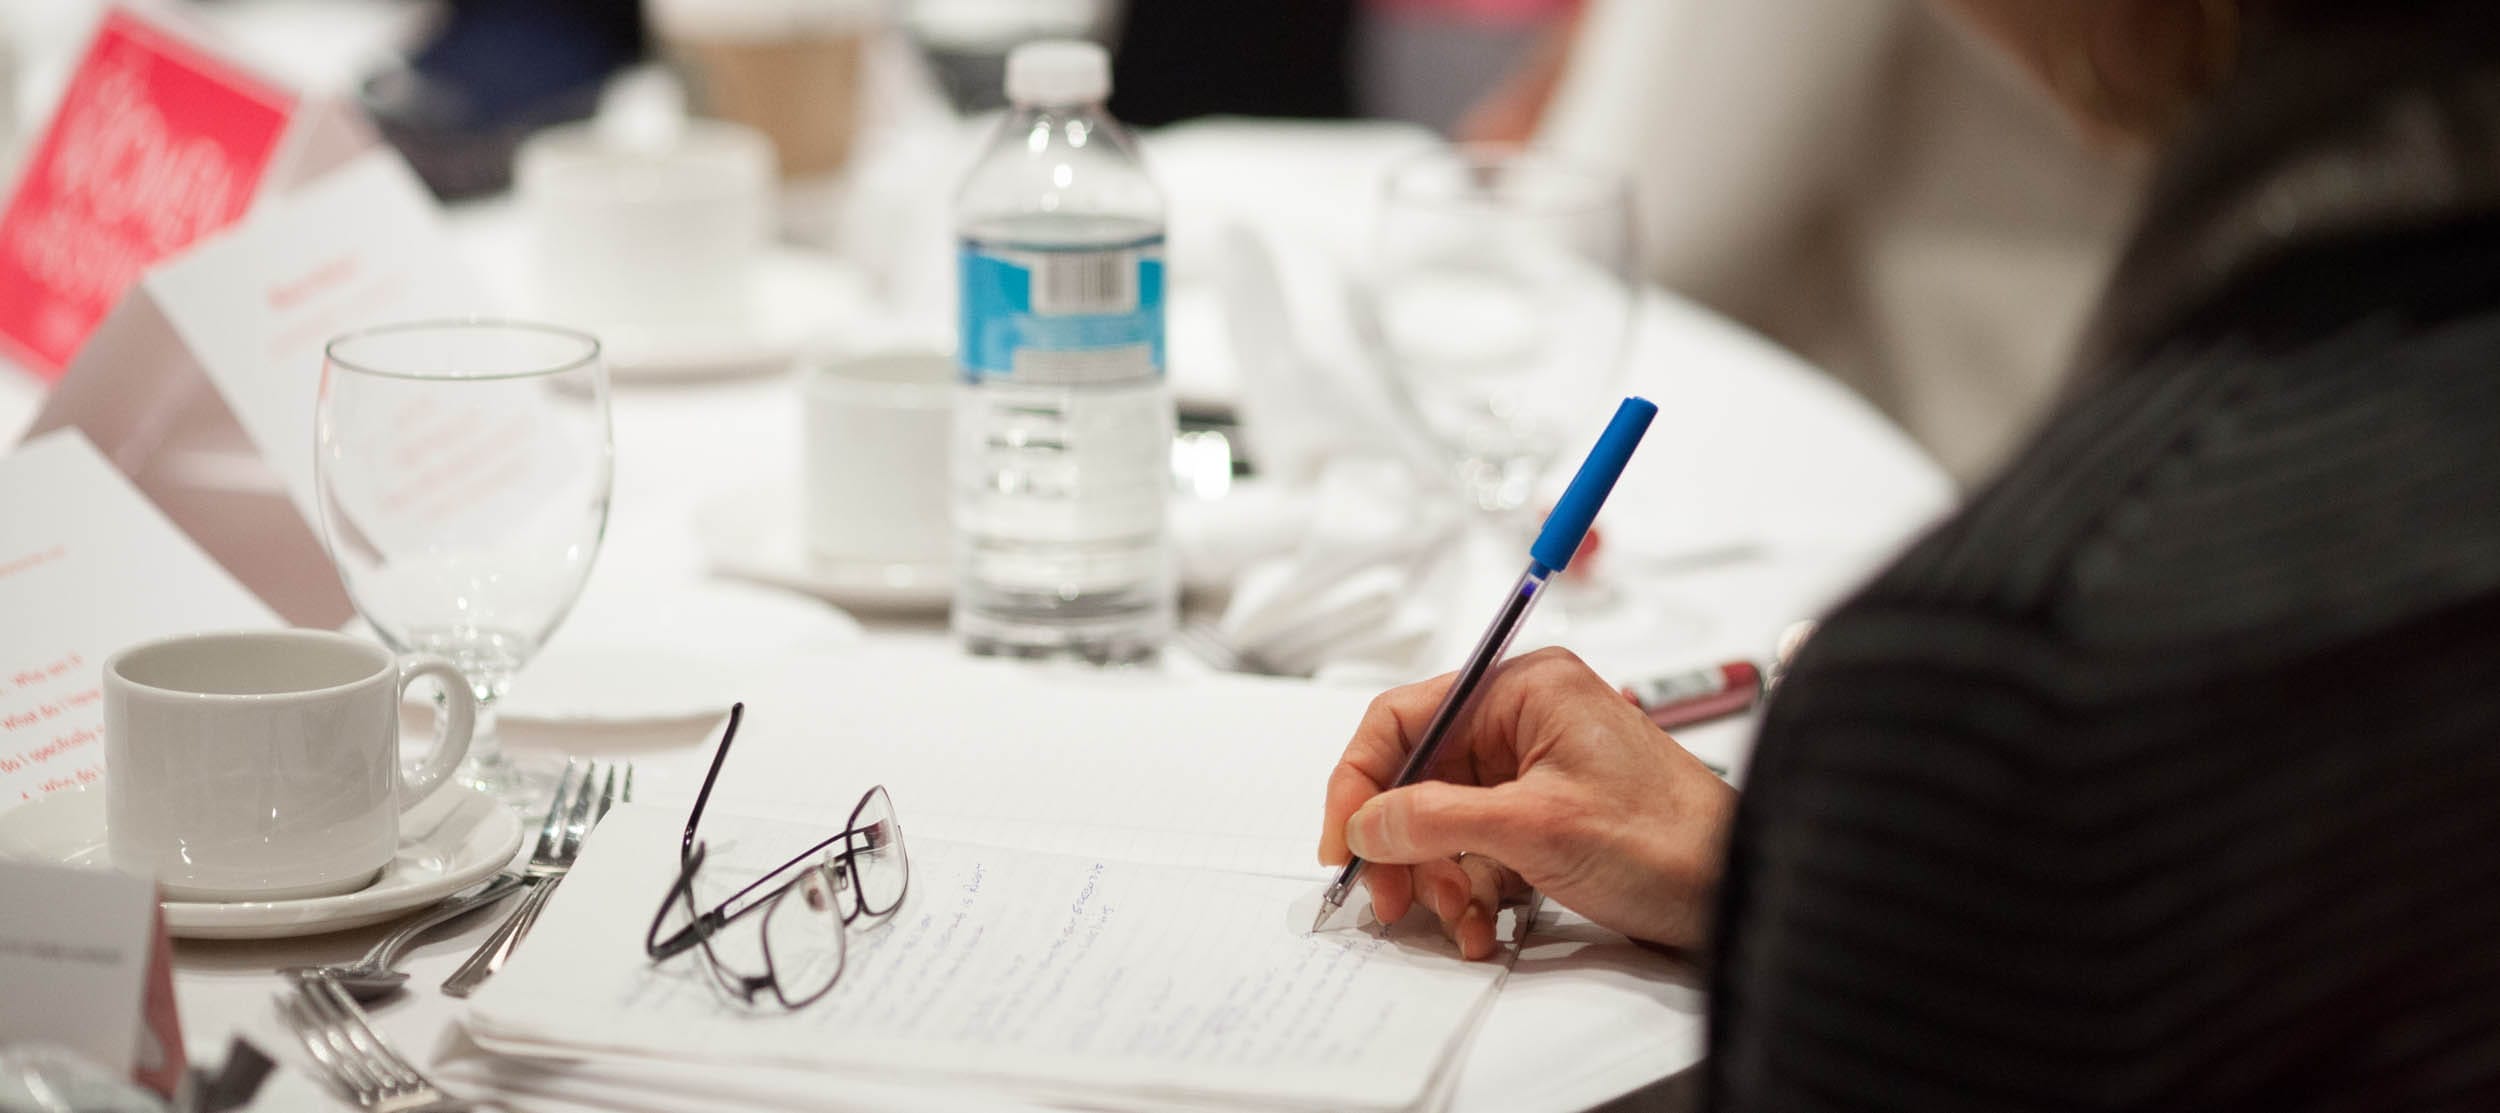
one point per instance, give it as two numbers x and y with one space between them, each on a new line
1352 511
1352 596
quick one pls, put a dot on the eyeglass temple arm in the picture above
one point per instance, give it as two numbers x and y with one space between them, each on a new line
721 914
720 755
686 938
723 909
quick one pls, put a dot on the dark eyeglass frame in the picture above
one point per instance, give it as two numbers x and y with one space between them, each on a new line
764 893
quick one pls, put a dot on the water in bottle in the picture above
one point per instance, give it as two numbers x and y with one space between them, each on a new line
1064 424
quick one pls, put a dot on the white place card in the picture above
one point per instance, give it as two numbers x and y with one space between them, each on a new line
74 952
87 567
202 383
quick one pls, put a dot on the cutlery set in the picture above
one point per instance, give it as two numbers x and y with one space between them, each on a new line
323 1005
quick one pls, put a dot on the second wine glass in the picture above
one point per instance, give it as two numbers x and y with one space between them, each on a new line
464 473
1503 297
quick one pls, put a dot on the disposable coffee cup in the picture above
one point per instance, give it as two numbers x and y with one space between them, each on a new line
790 69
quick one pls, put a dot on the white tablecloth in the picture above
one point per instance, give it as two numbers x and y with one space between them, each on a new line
1763 489
1751 448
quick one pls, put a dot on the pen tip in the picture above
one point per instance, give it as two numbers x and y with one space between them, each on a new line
1326 909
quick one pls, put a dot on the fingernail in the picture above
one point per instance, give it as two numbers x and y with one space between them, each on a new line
1447 900
1362 832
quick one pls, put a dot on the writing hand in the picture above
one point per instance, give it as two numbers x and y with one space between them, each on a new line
1552 781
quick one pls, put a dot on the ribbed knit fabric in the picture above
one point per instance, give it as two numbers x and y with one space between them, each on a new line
2167 775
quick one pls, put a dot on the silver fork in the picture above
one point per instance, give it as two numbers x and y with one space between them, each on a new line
371 978
367 1070
1206 641
579 803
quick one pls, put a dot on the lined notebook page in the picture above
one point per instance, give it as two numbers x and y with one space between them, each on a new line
1128 984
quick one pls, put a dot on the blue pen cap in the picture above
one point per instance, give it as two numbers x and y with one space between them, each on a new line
1569 524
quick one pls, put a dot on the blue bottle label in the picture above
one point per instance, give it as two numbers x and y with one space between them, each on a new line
1062 316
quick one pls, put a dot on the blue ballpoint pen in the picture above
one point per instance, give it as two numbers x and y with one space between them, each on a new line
1564 529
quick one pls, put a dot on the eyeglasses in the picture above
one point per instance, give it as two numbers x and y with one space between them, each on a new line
791 926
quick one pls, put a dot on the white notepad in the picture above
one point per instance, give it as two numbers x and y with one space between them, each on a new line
1116 983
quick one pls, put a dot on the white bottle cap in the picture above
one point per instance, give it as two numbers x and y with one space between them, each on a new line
1058 71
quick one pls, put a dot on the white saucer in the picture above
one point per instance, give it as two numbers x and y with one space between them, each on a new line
455 839
755 535
799 295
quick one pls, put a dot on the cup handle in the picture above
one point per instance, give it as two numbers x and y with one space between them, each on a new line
451 732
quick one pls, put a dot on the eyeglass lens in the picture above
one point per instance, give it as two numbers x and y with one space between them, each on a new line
796 949
880 869
804 939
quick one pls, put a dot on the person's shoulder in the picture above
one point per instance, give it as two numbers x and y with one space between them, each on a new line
2268 496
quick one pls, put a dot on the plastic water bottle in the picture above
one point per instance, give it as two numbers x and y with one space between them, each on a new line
1063 443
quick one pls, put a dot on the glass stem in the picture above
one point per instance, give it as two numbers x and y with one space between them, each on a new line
486 743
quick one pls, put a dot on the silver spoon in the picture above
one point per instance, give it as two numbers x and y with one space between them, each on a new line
371 977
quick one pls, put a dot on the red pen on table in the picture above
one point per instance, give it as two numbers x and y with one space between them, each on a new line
1682 699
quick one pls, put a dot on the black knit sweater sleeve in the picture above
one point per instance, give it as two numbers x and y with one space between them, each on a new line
2167 775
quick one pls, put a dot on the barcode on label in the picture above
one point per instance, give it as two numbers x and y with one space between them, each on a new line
1100 282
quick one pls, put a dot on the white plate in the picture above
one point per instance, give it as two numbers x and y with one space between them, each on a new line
455 839
754 535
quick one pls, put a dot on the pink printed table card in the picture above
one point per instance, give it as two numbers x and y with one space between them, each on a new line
156 144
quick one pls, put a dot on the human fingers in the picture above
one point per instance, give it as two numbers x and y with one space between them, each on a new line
1489 746
1480 912
1436 819
1465 894
1387 732
1348 789
1442 886
1393 891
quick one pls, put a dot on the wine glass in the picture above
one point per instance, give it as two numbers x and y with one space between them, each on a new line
1503 300
464 471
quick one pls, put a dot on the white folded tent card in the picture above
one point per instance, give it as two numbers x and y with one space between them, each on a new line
201 384
87 568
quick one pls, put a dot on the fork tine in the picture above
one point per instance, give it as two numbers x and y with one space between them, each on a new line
552 830
395 1069
577 823
322 1056
385 1081
607 795
320 1040
627 796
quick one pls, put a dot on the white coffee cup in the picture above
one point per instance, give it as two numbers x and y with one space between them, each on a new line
264 765
648 237
875 456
